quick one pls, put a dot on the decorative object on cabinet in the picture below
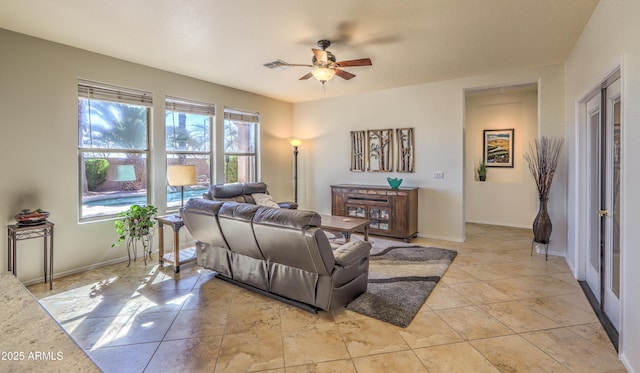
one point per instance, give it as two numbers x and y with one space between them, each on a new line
358 150
28 217
543 158
392 212
405 159
394 183
498 148
482 171
380 150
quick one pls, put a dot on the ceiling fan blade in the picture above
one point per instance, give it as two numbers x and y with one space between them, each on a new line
344 75
321 55
358 62
309 75
279 63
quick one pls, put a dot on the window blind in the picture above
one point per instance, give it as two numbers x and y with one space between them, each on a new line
188 106
241 116
98 91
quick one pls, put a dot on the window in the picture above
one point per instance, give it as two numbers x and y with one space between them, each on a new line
240 146
113 148
188 142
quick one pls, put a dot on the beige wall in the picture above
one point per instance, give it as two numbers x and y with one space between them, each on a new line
38 145
508 196
610 39
436 111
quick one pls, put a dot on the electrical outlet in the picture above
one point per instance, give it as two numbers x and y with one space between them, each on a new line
438 175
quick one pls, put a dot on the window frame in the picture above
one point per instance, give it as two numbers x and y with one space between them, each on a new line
92 91
243 116
177 105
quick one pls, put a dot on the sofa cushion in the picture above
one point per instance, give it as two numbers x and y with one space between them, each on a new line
201 216
251 188
235 224
290 237
226 190
263 199
297 219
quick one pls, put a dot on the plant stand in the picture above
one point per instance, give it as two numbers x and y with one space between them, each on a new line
132 245
546 248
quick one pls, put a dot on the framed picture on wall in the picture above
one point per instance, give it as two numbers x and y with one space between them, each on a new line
380 150
405 160
358 151
498 148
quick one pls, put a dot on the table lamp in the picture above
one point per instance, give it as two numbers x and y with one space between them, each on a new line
181 175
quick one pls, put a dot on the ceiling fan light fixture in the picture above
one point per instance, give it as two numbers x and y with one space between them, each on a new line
323 74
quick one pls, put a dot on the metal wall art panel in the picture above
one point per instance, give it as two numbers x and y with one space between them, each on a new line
380 150
405 158
358 151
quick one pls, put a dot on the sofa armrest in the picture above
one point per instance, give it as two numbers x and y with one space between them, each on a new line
288 205
351 253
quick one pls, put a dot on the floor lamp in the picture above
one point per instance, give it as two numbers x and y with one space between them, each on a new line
181 175
295 143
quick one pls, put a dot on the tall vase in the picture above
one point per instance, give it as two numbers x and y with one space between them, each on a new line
542 224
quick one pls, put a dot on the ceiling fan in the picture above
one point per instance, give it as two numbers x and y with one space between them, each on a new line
324 64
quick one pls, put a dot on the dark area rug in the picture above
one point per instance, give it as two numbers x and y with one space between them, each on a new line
401 277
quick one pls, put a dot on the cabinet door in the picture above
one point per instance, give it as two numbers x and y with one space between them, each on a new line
337 203
400 214
357 211
380 218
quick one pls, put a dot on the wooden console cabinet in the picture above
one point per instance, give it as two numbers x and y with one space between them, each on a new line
393 212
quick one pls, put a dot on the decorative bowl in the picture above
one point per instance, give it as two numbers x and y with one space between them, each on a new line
28 217
394 182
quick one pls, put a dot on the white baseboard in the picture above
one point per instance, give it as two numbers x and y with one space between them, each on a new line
77 270
444 238
40 279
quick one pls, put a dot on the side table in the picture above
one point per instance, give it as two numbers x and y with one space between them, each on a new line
188 255
16 232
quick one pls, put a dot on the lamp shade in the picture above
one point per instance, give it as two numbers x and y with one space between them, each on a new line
180 175
125 172
323 74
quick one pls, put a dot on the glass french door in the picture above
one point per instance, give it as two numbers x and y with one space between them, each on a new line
604 159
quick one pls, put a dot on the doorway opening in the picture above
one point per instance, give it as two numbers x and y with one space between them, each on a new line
510 111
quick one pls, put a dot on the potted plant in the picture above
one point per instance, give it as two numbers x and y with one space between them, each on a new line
482 170
136 226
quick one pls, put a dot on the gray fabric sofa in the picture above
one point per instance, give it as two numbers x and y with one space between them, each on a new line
279 253
241 192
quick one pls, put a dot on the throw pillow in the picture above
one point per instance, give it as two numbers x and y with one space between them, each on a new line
263 199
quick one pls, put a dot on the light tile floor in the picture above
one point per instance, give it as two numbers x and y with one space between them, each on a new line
497 309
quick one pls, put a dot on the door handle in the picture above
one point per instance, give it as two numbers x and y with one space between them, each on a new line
604 212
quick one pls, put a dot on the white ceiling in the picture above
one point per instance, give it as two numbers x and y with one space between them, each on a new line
228 41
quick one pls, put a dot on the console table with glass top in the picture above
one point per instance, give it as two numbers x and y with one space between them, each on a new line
18 232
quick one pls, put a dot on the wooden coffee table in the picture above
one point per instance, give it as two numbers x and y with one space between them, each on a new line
345 225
